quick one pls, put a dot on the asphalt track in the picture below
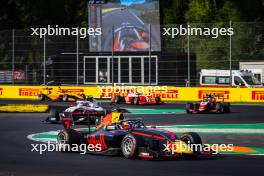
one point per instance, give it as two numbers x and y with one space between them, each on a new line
16 157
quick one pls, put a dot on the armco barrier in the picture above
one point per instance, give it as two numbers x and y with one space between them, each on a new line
167 93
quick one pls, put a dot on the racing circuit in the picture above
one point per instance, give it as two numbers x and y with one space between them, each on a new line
243 127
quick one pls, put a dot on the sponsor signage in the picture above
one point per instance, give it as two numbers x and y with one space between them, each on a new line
166 94
257 95
72 90
170 93
218 94
28 92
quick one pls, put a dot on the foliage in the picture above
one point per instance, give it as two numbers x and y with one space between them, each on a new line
247 43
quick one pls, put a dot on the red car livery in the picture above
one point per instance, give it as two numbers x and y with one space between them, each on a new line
137 99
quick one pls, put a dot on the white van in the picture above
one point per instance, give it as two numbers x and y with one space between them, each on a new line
221 78
256 67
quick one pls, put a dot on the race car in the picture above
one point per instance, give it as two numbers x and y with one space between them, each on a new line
209 104
137 99
132 139
58 94
80 112
128 38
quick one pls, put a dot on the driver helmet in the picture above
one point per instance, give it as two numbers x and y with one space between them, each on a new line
125 126
80 104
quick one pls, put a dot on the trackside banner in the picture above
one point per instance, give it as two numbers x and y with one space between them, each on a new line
167 93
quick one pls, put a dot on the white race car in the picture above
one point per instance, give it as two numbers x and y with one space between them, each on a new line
79 112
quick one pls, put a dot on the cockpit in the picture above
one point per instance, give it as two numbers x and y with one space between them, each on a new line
125 125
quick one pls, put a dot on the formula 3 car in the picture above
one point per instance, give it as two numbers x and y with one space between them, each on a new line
132 139
128 38
80 112
58 94
209 104
137 99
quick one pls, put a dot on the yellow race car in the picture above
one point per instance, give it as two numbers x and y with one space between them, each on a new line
59 94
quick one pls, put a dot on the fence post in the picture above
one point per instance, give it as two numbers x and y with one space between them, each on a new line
230 55
188 59
44 60
150 54
77 58
112 60
13 56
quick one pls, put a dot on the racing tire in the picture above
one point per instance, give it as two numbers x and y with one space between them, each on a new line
83 96
188 107
226 108
89 98
192 138
136 101
157 100
65 98
41 97
69 137
129 146
219 107
117 100
54 114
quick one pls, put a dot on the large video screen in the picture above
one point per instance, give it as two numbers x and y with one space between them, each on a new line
131 19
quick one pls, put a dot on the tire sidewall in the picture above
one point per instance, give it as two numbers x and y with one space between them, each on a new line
117 99
136 100
65 98
70 137
188 106
193 138
157 99
41 97
219 107
132 154
54 113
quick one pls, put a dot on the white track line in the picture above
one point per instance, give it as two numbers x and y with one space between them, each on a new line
224 130
136 17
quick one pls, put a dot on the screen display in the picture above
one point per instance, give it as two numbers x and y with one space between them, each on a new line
130 21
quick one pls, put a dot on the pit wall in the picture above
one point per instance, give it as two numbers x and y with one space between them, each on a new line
167 93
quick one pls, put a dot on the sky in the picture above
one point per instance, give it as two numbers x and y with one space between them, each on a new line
129 2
